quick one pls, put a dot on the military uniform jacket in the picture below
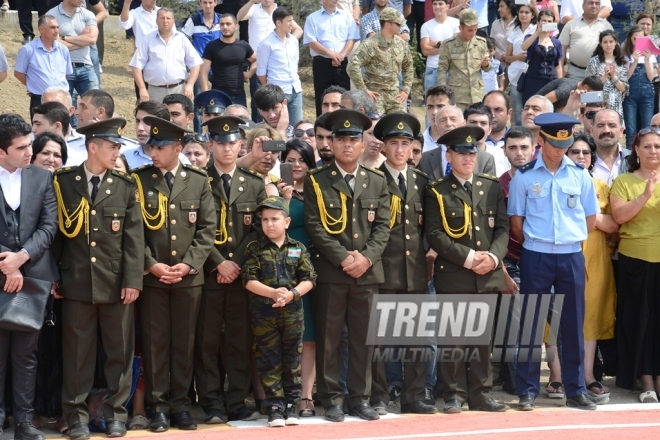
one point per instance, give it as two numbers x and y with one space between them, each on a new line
367 223
382 61
187 233
463 62
489 232
246 192
95 268
404 259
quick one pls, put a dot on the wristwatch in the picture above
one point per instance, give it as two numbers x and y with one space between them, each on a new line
439 44
63 37
193 271
295 292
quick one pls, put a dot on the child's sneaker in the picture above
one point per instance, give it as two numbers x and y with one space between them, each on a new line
276 417
292 415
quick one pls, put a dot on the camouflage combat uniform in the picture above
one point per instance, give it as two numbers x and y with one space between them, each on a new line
462 59
278 331
383 60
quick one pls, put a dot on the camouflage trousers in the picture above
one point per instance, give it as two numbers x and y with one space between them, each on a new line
277 347
387 102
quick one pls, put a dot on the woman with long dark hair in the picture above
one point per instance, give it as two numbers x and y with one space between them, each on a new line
543 55
609 64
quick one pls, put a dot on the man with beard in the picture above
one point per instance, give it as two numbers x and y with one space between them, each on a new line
225 58
611 156
323 141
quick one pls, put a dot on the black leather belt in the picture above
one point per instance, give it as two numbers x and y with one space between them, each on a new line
169 86
575 65
80 64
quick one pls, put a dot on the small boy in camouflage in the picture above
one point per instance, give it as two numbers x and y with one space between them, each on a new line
278 270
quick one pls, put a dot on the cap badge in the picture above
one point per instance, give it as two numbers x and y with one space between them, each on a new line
468 139
211 102
400 126
225 127
154 130
347 124
562 134
119 130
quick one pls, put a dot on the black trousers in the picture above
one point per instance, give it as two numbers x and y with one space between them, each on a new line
415 21
19 348
25 8
326 75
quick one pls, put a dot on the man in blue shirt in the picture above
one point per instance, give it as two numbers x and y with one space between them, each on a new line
552 207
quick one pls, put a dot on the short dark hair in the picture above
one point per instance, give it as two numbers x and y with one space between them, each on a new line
153 108
302 121
320 121
519 132
11 127
280 13
303 148
479 109
441 90
498 92
420 136
490 43
584 137
593 82
100 99
268 96
178 98
48 136
54 112
228 15
333 89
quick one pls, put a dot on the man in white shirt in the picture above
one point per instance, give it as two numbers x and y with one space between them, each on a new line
433 33
572 9
141 19
610 156
163 59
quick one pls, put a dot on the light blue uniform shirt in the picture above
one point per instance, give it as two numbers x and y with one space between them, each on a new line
42 68
136 157
331 30
555 207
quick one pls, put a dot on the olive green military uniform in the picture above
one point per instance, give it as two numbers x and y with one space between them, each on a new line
104 256
488 230
168 312
383 60
228 303
462 60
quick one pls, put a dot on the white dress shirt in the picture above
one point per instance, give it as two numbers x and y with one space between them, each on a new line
142 22
395 173
278 61
11 187
75 149
575 10
332 30
260 24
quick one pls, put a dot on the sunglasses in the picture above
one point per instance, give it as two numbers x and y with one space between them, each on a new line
645 131
577 152
197 137
590 114
300 133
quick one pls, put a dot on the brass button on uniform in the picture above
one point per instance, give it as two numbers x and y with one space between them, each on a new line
93 212
93 244
229 239
442 267
230 223
407 222
407 237
476 227
174 222
173 237
173 253
355 236
407 252
478 243
93 260
231 255
406 206
172 206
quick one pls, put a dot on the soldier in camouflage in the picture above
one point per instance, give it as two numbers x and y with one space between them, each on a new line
463 57
384 56
278 270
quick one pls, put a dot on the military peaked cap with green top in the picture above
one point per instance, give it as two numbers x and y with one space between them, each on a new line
274 202
108 129
225 128
463 139
346 122
163 133
397 124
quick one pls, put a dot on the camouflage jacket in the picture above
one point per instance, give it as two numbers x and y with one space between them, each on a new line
463 62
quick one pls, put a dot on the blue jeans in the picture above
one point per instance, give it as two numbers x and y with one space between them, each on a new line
517 104
83 79
621 27
294 105
94 55
638 105
430 78
254 86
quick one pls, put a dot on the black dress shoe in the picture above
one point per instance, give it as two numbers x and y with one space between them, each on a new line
242 413
490 405
334 413
581 401
159 422
526 403
213 417
183 420
380 407
27 431
452 406
115 428
79 431
365 411
418 407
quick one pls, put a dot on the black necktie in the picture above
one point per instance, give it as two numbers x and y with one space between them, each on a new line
402 185
169 178
348 178
225 183
95 186
468 187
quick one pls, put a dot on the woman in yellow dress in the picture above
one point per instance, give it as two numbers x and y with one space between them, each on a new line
600 290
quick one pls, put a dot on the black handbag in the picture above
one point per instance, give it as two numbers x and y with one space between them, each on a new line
520 87
24 311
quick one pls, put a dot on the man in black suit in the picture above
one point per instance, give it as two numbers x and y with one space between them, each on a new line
28 223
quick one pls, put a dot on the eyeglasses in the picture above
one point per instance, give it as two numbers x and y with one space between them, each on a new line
394 23
645 131
374 116
590 114
300 133
577 152
197 137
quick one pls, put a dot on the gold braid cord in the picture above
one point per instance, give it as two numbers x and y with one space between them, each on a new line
395 209
221 234
467 212
79 216
161 216
326 220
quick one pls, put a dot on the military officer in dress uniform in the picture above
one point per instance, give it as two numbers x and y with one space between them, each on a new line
179 226
467 225
100 254
464 56
404 259
347 219
212 103
552 206
236 192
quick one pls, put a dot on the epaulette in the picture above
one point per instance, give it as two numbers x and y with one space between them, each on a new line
488 176
528 166
579 165
420 172
123 175
252 172
480 38
448 40
317 169
65 170
195 168
374 170
438 181
273 178
142 167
